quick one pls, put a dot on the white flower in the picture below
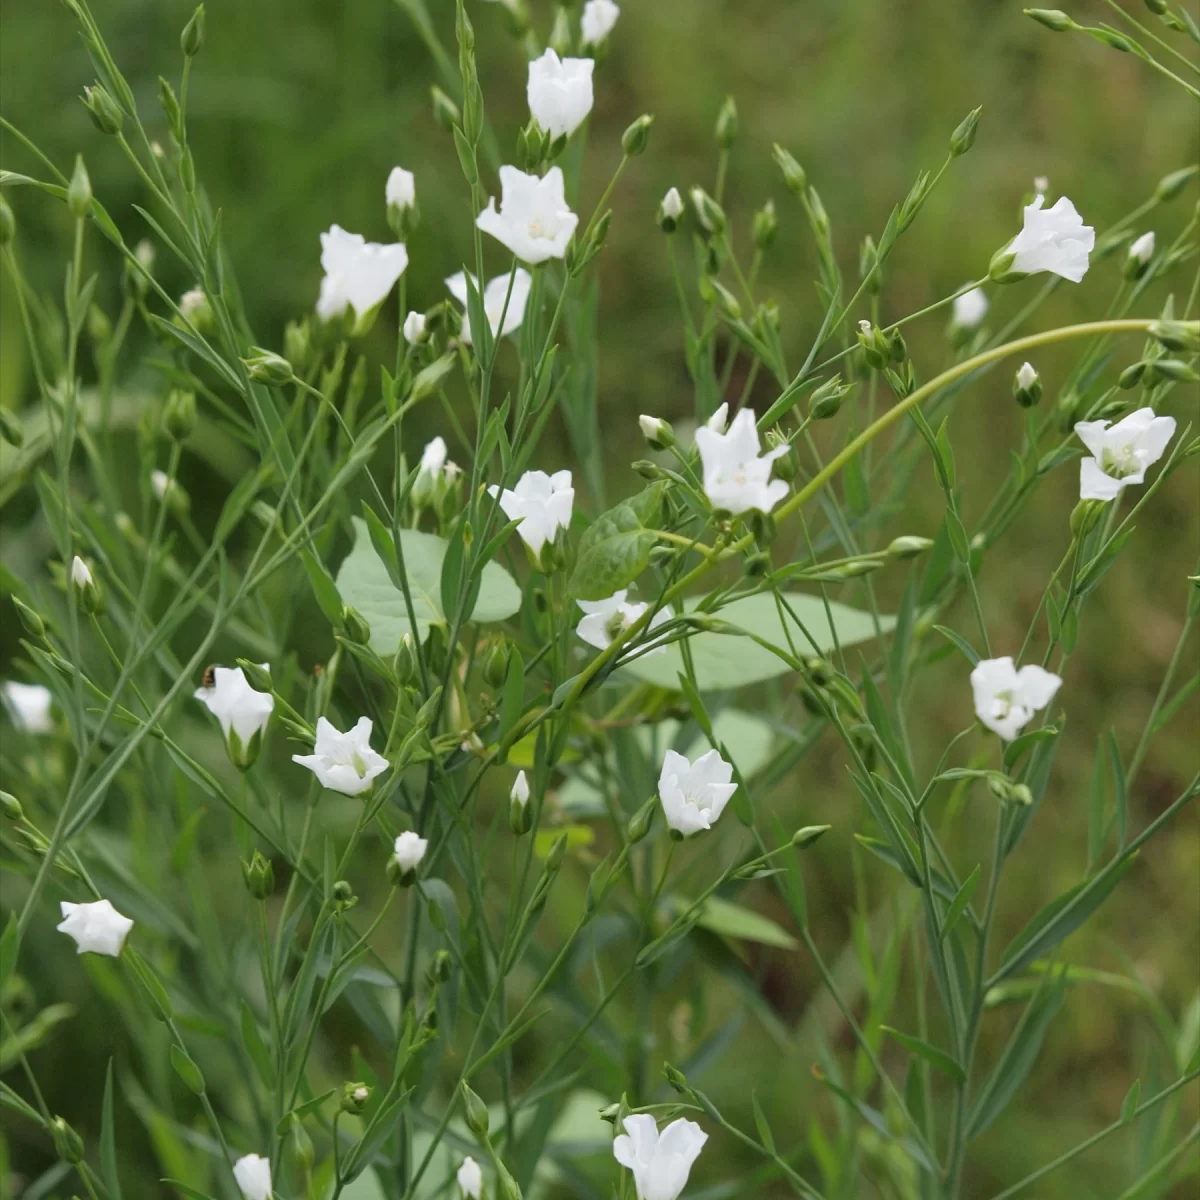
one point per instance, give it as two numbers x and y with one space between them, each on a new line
603 620
1142 250
534 221
970 308
559 92
470 1179
599 17
542 503
358 274
28 705
1121 452
694 794
1005 698
344 762
660 1162
520 790
401 191
672 204
433 457
1041 184
194 306
414 328
1027 376
1053 239
159 483
495 294
252 1174
409 850
720 419
81 577
242 712
736 479
97 928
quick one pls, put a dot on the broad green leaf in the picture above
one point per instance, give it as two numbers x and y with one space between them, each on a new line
613 552
727 661
936 1058
732 921
364 583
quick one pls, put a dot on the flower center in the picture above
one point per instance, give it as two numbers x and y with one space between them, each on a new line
537 229
1002 704
356 761
1119 463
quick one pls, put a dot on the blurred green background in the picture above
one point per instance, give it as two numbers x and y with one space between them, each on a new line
298 110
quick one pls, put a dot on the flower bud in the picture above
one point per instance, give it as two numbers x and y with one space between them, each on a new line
963 138
766 225
670 210
85 586
79 191
179 414
10 806
1172 368
476 1112
343 895
1085 516
647 470
868 265
1052 18
195 310
8 223
726 130
259 876
265 366
1132 375
676 1078
495 663
102 108
908 547
640 822
1177 335
355 626
520 814
787 465
30 620
67 1143
793 173
192 38
874 343
169 492
1169 186
897 348
405 663
440 967
355 1097
1027 386
803 838
1137 260
1020 794
657 432
257 676
826 401
635 139
708 212
857 567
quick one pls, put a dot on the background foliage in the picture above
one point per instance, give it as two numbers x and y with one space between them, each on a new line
299 108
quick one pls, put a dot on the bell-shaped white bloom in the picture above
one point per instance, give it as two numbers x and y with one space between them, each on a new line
97 928
344 762
542 503
1027 376
1142 250
672 204
604 620
252 1174
720 419
694 794
1121 452
534 221
599 17
662 1162
242 712
401 190
409 850
433 457
520 790
1005 698
414 328
1053 239
736 478
559 92
28 705
358 274
470 1179
81 576
496 295
970 308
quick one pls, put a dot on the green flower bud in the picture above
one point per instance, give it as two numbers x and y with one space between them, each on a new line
67 1143
635 139
405 663
1131 376
265 366
10 806
192 38
657 432
441 967
1052 18
476 1112
1169 186
1020 794
355 1097
1085 516
1027 386
103 110
908 547
495 664
786 466
676 1078
640 822
1177 335
826 401
874 343
356 628
30 620
726 130
169 103
793 173
963 138
79 191
766 225
803 838
179 414
343 895
708 212
297 344
1172 368
259 876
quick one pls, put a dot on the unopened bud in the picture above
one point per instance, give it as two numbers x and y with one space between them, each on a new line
79 191
803 838
908 546
766 225
963 138
259 876
793 173
640 822
826 401
265 366
520 814
1085 516
1137 259
355 1097
1052 18
256 675
636 138
1169 186
726 130
676 1078
708 212
476 1112
1027 386
30 620
67 1142
657 432
192 38
179 414
356 628
1131 376
102 108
